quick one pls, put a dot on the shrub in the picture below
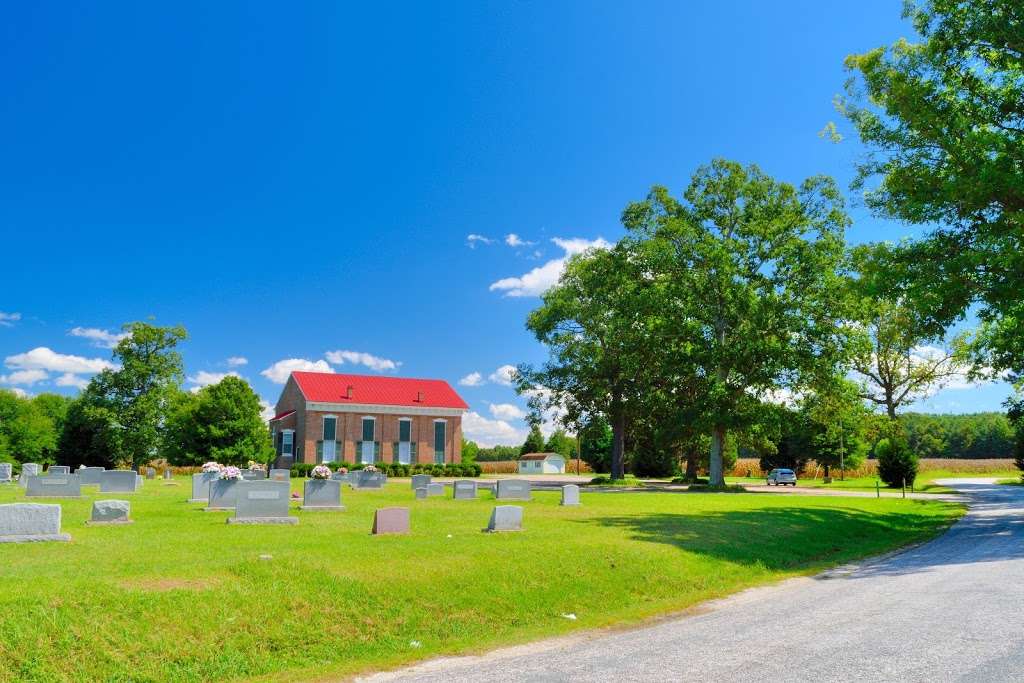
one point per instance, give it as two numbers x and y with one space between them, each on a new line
897 464
629 482
706 488
691 481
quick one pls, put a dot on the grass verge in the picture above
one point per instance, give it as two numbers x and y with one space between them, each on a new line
181 596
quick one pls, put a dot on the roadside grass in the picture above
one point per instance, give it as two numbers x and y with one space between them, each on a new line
181 596
926 481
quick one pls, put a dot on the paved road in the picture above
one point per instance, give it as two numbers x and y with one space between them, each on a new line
949 610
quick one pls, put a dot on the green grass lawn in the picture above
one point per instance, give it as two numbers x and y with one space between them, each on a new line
181 596
925 481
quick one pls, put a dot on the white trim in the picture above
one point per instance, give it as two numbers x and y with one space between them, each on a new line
384 410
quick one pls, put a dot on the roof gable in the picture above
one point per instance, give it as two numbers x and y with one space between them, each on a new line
328 387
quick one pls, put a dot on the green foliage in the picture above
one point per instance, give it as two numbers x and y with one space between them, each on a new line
28 433
497 453
629 481
394 469
897 464
941 120
561 443
469 451
222 422
91 436
1015 414
534 442
596 444
970 436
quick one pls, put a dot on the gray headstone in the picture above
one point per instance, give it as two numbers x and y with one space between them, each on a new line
119 481
464 489
201 486
281 475
421 493
420 480
506 518
390 521
168 474
222 494
58 469
29 469
54 486
512 489
262 502
254 475
570 494
5 472
138 482
435 489
110 512
322 494
22 522
338 476
368 480
150 473
90 476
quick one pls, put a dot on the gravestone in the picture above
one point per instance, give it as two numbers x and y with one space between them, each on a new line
435 489
119 481
168 475
201 486
29 469
222 494
5 472
262 502
420 480
254 475
58 469
138 482
150 473
53 486
421 493
367 480
506 518
390 521
570 494
110 512
512 489
321 494
464 489
23 522
90 476
281 475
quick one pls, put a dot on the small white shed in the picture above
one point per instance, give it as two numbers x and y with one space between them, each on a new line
542 463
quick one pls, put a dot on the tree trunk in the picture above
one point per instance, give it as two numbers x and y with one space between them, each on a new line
618 445
716 475
691 466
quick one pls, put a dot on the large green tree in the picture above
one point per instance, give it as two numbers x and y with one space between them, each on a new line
222 423
748 269
27 432
943 122
534 441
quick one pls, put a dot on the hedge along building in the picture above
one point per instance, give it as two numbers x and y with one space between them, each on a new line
327 417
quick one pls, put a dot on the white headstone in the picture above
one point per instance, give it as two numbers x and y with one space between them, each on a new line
23 522
5 472
570 494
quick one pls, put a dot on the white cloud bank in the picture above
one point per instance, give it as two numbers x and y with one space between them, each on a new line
278 372
101 338
473 379
25 377
507 411
361 358
8 319
237 361
204 379
473 239
542 278
487 432
514 240
503 375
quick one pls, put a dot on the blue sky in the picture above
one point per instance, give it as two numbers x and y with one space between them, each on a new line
288 184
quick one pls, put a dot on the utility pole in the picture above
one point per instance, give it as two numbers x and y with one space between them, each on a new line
842 460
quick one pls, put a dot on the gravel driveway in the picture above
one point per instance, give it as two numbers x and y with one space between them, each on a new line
949 610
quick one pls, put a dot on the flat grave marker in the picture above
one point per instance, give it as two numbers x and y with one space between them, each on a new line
390 521
27 522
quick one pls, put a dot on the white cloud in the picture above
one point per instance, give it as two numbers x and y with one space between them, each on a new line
514 240
278 372
236 361
542 278
101 338
503 375
42 358
26 377
8 319
70 380
20 393
473 239
204 379
266 410
360 358
473 379
488 432
507 411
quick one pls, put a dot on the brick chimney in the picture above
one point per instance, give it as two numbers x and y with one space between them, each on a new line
419 397
348 391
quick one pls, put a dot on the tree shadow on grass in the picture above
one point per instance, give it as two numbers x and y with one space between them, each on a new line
797 538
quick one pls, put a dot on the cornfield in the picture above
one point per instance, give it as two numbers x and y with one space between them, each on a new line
750 467
512 466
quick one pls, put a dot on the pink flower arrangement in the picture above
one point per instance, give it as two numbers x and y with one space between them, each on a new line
320 472
230 472
342 470
256 467
212 466
369 468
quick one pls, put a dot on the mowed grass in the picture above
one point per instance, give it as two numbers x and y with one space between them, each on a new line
925 483
181 596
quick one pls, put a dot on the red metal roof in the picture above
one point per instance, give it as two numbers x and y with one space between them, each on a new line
282 415
329 387
538 456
